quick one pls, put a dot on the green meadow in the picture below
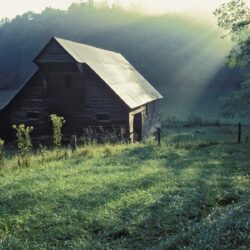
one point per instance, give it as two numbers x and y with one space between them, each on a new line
192 192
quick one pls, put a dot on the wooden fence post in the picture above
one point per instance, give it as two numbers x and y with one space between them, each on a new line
73 143
159 136
239 133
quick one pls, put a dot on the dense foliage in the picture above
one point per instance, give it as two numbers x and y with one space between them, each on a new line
180 54
235 18
238 102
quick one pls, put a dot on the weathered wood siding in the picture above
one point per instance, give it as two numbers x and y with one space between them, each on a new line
100 99
5 123
81 103
30 106
86 100
151 119
53 53
66 98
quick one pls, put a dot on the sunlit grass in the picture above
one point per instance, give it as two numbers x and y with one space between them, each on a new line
129 196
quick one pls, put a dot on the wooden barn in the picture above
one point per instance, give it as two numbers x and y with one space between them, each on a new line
89 87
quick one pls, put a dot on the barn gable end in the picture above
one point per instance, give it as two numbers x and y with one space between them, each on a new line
53 53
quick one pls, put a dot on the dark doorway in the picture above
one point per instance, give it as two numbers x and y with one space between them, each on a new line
138 127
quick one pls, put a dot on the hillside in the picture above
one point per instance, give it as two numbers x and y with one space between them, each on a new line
191 192
182 55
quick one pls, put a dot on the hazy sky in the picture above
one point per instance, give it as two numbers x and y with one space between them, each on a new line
10 8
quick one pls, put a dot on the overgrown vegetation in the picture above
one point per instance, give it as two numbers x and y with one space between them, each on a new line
57 122
192 193
24 144
102 134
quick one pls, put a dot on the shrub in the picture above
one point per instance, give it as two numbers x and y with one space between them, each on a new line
57 122
24 143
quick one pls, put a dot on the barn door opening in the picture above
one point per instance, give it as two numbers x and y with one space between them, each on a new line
137 127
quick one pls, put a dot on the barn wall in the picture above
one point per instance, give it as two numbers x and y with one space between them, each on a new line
151 119
88 101
5 123
83 102
100 101
48 93
65 95
30 106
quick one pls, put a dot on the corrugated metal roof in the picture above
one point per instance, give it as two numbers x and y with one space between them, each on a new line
6 96
116 71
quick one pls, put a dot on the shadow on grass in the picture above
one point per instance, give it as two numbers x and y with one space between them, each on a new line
169 222
201 183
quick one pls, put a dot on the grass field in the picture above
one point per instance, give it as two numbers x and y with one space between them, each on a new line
193 192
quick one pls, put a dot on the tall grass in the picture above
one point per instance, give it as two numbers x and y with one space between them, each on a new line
137 196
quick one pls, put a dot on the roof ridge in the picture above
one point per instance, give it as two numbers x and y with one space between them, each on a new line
84 44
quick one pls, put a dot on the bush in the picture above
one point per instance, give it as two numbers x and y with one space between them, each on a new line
24 144
57 122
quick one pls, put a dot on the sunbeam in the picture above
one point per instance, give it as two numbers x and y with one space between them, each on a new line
148 6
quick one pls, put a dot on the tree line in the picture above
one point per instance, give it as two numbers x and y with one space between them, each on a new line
180 55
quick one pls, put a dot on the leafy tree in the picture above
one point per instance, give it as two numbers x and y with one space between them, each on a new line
235 18
238 102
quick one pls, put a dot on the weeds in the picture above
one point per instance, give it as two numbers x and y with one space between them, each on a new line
101 134
57 122
24 144
42 153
